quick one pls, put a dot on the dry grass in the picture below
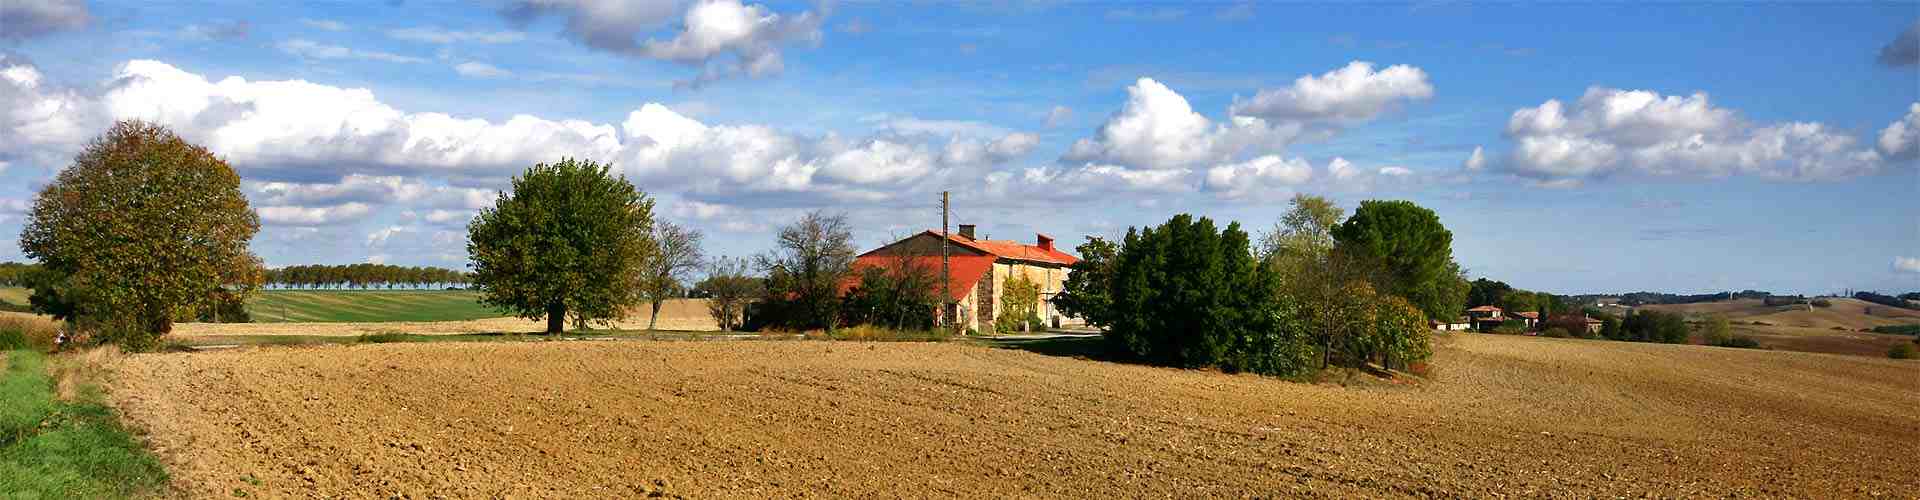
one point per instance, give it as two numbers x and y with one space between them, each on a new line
38 331
77 372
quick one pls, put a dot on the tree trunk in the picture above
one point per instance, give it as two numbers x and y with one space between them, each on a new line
556 317
655 317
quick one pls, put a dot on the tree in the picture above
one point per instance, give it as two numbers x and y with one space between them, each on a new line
566 242
1407 252
677 253
1019 305
141 227
1485 292
810 258
727 288
1716 330
899 291
1085 293
1305 230
1188 294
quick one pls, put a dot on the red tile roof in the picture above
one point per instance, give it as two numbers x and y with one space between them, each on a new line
966 270
1484 309
1528 314
1012 249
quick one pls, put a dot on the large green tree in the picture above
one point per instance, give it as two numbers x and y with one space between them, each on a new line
1406 252
142 228
1186 293
566 242
1086 293
804 270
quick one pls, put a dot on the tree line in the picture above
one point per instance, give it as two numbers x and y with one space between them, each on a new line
363 276
1319 291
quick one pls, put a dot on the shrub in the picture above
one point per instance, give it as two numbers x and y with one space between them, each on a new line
1716 330
1556 332
1901 351
873 333
23 332
1898 329
381 338
1739 341
1822 303
1511 328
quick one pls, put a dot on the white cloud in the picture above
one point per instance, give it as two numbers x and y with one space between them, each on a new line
1612 131
1906 264
314 50
1904 50
708 29
473 69
325 24
938 128
1058 115
1476 161
40 123
1157 129
1352 93
1901 139
314 216
430 34
1258 175
23 19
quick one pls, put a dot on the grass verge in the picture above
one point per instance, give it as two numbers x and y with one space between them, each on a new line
65 448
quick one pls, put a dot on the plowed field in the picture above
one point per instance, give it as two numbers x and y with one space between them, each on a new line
749 419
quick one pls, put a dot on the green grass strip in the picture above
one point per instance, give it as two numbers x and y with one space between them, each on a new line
65 449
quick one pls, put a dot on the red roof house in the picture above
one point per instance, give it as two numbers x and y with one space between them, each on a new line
978 270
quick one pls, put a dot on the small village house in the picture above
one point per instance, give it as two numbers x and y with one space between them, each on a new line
1486 318
1458 324
980 270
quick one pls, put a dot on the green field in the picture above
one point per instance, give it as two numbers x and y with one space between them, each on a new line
337 306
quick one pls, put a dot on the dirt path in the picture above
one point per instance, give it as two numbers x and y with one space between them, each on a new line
1502 415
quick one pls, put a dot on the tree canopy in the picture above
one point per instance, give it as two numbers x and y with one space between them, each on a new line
1086 293
141 228
565 243
804 270
728 287
1407 252
663 277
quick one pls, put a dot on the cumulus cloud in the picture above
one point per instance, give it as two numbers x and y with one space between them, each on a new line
428 34
1901 139
1612 131
24 19
1352 93
1904 50
1158 129
708 29
472 69
1906 264
316 154
1258 175
314 50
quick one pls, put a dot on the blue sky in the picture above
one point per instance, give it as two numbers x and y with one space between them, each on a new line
1571 148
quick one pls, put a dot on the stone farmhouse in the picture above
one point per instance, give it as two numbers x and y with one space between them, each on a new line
980 270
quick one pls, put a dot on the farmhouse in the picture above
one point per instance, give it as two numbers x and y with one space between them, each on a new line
1458 324
980 270
1486 318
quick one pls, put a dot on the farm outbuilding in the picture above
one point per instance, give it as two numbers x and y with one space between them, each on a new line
980 270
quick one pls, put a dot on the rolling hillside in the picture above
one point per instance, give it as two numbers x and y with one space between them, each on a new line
1851 314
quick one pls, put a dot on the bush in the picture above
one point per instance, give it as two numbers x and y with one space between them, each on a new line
1739 341
1901 351
872 333
1556 332
17 332
381 338
1511 328
1822 303
1898 329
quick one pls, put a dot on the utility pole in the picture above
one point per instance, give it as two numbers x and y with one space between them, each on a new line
946 273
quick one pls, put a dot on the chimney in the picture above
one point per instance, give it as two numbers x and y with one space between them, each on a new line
1046 242
966 230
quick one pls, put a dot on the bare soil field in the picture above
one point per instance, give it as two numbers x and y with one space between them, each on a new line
1851 314
1500 415
681 314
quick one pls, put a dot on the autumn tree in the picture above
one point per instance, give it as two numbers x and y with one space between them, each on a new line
728 287
141 228
565 242
804 270
1019 305
662 277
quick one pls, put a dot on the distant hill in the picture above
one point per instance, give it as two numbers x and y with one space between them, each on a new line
1852 314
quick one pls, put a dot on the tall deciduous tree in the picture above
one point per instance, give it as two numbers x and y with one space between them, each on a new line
805 267
1305 231
728 287
566 242
1086 293
1407 253
143 227
663 275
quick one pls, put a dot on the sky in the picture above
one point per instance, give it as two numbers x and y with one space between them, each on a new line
1569 148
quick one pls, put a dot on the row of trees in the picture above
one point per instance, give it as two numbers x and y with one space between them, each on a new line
16 274
1320 291
363 276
